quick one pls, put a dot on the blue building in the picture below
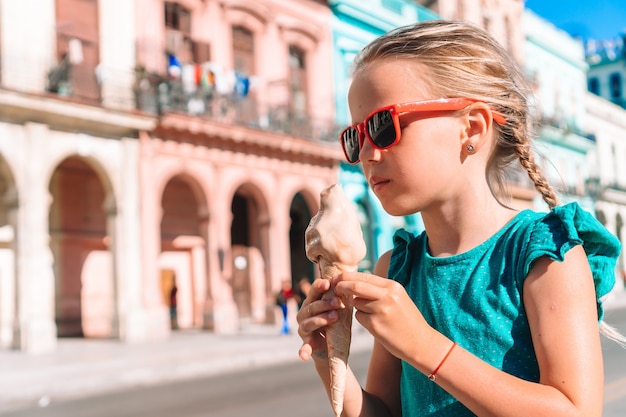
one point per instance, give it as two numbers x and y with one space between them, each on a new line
355 24
607 69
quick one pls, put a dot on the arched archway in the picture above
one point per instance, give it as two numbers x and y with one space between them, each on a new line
182 260
79 241
249 234
300 215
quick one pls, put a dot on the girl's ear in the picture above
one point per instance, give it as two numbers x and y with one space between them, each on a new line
478 125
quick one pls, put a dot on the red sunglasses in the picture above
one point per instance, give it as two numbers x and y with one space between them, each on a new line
382 127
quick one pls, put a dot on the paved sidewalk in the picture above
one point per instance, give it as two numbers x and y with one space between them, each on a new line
80 367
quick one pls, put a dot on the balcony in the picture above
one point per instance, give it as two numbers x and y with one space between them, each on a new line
35 91
121 102
566 127
160 94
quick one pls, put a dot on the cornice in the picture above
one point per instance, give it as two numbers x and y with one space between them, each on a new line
242 139
71 115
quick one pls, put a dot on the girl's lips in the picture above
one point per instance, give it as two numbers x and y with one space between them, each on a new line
377 182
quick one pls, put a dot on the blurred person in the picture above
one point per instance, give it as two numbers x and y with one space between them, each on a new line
282 299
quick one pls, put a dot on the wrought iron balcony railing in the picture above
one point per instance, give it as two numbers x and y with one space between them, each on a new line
567 127
157 94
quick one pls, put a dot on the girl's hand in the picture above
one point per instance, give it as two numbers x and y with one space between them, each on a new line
384 308
314 315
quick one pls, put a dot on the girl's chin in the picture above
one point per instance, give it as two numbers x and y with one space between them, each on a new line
394 210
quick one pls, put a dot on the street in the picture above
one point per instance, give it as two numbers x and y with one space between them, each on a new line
289 390
615 368
284 390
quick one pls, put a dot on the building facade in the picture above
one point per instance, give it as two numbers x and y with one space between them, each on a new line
605 106
149 145
607 176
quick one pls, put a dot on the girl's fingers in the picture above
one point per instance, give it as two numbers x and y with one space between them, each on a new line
305 351
361 277
364 305
361 285
315 307
314 315
318 288
315 322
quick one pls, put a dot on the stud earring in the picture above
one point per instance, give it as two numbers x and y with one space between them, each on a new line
469 147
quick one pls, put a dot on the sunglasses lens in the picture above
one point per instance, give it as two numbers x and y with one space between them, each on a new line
381 129
350 143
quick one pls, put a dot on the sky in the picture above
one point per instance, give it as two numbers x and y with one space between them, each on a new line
588 19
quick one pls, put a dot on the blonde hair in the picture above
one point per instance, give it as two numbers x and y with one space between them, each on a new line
465 61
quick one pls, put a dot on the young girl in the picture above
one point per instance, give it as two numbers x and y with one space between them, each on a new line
490 311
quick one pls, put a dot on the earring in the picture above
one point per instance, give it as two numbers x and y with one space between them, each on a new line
469 148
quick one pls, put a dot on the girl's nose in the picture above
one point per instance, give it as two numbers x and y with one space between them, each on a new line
368 152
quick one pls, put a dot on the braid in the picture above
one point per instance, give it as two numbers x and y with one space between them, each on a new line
527 160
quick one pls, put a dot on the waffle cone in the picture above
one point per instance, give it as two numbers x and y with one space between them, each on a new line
338 337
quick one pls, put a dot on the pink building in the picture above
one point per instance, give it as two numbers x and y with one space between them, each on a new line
152 144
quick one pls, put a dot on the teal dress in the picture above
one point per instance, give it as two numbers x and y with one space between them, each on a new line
476 298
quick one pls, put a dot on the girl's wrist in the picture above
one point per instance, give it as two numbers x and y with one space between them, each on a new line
430 352
438 352
433 375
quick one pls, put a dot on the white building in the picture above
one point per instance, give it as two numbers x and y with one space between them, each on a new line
582 135
608 174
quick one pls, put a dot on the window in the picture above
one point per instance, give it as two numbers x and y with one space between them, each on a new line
178 32
593 86
243 50
177 18
78 48
244 66
615 86
297 79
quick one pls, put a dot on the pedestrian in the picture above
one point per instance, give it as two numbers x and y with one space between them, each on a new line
282 300
174 307
490 311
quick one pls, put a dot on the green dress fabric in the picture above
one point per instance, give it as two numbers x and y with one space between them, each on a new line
475 298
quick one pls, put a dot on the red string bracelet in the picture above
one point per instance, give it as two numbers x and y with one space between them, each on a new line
432 376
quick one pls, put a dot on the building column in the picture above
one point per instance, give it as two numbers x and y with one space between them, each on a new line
34 264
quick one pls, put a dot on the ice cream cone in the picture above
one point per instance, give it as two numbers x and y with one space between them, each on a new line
338 337
335 242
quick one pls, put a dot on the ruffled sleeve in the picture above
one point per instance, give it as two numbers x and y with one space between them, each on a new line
567 226
401 256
